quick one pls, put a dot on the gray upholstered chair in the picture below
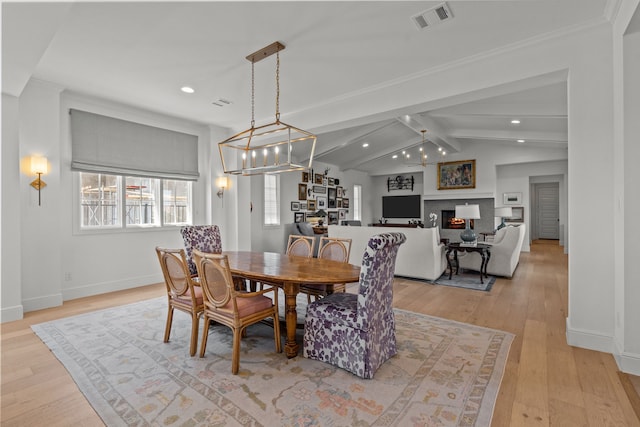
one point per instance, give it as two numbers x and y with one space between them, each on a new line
356 332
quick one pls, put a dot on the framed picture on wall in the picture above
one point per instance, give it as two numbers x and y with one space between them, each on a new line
305 176
311 205
303 206
332 198
295 206
338 203
321 202
512 198
333 218
298 217
331 182
342 214
318 179
338 191
345 203
302 191
320 189
517 214
456 175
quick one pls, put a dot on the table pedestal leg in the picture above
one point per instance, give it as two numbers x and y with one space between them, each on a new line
483 265
291 318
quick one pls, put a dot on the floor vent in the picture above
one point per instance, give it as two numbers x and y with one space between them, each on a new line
432 17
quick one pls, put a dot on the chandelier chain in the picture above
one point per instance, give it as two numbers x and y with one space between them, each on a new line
253 96
278 86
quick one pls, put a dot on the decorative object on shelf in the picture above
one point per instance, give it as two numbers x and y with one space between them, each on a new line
268 148
302 191
517 214
457 175
39 166
321 214
321 202
468 212
400 183
502 213
298 217
512 198
433 219
295 206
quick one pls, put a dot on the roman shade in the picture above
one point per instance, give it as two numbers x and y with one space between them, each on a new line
102 144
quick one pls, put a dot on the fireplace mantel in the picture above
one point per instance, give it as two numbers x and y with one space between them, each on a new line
455 195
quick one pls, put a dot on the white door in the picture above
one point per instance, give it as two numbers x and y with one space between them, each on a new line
548 211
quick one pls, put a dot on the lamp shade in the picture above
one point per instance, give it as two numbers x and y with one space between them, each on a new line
39 165
468 211
503 212
221 182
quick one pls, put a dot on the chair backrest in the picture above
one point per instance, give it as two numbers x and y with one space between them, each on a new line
375 299
215 278
205 238
174 269
300 245
335 248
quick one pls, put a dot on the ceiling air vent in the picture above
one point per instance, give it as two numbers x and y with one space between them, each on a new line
432 17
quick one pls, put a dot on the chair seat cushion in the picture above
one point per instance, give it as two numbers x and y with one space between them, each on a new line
186 297
247 306
340 308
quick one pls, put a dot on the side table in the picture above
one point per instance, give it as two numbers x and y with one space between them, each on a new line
482 248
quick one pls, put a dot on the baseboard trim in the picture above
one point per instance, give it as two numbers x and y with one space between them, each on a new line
105 287
589 340
40 303
9 314
628 363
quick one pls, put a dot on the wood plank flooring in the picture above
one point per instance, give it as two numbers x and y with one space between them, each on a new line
546 382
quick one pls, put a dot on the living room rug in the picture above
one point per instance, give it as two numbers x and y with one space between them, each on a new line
445 373
467 279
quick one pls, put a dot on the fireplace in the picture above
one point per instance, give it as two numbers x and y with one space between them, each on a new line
449 221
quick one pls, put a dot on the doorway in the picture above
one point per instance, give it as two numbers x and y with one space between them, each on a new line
547 210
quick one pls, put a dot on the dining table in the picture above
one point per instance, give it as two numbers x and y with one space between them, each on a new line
289 272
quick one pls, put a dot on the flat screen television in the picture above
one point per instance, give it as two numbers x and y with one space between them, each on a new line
401 206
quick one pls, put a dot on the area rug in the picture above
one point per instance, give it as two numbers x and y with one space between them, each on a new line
445 373
467 279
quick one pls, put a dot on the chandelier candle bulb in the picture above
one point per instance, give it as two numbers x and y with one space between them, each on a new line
253 159
244 160
264 157
276 151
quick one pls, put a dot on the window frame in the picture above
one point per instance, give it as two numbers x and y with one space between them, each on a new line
357 202
276 203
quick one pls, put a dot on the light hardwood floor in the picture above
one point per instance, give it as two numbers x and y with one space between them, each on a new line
546 382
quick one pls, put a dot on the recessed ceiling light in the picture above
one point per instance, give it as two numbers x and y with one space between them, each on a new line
521 140
365 145
515 122
395 156
187 89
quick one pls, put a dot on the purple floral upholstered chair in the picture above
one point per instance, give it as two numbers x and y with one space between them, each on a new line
205 238
357 332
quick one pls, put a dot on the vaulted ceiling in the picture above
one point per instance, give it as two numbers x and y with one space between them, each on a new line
141 54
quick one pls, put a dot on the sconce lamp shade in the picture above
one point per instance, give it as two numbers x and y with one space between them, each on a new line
39 165
468 212
221 182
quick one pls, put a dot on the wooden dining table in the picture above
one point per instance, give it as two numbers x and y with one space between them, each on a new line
289 272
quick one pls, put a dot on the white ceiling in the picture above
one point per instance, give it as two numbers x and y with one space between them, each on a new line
142 53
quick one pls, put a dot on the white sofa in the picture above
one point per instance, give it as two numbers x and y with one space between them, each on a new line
422 256
505 252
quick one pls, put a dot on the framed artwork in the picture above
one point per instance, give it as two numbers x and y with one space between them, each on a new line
456 175
345 203
318 179
303 206
311 205
298 217
333 217
319 189
338 203
302 191
339 191
517 215
321 202
512 198
332 198
331 182
305 176
342 214
295 206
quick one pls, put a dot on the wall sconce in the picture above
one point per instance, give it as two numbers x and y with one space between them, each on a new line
221 183
39 166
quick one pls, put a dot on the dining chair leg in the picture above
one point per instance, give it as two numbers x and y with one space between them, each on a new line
167 328
195 321
276 334
205 335
235 355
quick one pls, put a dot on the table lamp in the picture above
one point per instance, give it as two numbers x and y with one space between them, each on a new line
468 212
502 213
320 213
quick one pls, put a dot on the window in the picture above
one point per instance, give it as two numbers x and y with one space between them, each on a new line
357 202
106 199
271 200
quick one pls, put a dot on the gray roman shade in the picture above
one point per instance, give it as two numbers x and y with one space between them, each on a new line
102 144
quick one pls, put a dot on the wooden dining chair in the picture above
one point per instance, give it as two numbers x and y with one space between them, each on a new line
356 332
228 306
336 249
300 245
182 294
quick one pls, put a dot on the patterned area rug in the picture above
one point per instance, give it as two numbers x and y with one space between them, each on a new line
446 374
467 279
